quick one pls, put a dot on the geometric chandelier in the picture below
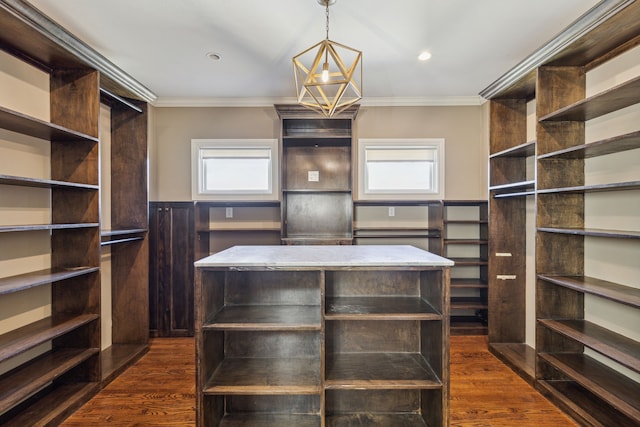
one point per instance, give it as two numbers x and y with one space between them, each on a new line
328 74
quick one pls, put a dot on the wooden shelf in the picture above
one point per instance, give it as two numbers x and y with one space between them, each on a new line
616 98
593 232
130 235
121 232
468 325
582 404
379 308
41 227
266 318
265 376
519 357
471 283
375 420
55 406
42 277
30 378
465 242
118 357
513 189
602 288
514 195
44 183
617 347
270 420
468 303
379 370
31 126
395 232
469 261
617 144
254 229
618 186
27 337
523 150
238 204
617 390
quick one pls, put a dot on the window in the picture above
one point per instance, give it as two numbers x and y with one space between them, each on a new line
401 168
234 169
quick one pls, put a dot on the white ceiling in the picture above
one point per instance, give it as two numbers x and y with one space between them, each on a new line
163 44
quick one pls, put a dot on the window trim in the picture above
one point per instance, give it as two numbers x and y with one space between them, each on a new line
198 146
412 143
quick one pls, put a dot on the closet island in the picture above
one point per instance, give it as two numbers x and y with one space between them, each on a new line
322 335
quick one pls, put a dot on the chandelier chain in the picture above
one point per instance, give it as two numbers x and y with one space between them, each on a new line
327 14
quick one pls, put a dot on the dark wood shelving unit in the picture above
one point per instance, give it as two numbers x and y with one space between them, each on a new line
466 241
567 334
253 223
317 175
415 222
562 366
44 389
313 337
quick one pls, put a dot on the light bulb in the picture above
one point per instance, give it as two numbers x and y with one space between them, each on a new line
325 72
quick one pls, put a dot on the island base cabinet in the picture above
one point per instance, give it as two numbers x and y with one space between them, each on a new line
322 336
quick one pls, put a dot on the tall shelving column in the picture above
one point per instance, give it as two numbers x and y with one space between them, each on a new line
511 183
50 386
465 242
581 360
317 175
127 237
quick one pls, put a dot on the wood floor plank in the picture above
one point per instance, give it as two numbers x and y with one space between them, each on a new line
159 390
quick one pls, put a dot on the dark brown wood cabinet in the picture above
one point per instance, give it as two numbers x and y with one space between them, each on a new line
322 336
171 246
317 176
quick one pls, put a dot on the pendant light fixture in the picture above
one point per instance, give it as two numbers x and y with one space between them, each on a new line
328 74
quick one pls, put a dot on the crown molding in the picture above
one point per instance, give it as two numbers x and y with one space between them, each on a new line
474 100
56 34
581 26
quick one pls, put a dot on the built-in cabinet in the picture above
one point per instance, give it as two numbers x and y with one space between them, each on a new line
587 296
171 226
317 175
322 335
52 365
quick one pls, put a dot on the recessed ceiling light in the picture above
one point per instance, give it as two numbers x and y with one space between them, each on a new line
424 56
214 56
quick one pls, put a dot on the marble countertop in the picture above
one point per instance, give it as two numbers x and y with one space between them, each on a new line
324 256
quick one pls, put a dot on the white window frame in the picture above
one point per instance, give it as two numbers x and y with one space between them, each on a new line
436 193
200 146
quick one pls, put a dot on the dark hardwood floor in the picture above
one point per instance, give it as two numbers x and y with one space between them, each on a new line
159 390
